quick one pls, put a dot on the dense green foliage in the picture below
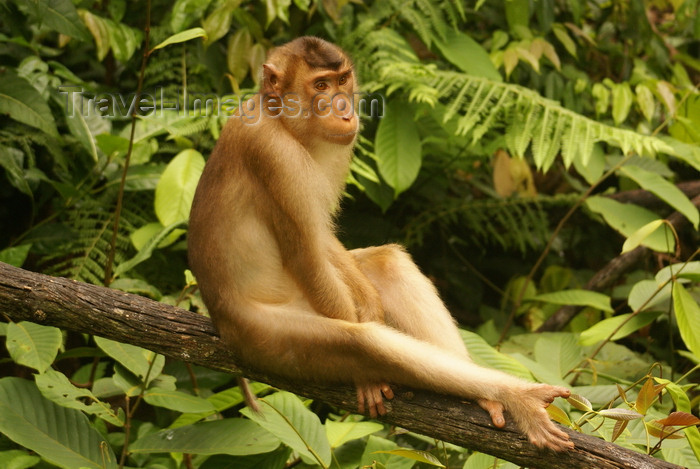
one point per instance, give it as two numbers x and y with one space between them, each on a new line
514 136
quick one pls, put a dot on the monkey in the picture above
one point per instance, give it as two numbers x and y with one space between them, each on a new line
287 296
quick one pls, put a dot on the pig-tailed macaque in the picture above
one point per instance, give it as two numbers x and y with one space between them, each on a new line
284 293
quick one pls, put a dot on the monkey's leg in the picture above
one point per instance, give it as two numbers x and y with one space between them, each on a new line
412 305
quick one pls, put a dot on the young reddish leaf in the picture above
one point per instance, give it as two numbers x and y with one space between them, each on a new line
679 418
620 426
580 402
646 397
654 428
620 414
558 415
622 393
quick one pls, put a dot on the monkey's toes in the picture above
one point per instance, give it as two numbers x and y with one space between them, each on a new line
495 410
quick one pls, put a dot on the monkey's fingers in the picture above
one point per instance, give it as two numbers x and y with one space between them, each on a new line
550 436
495 410
369 397
387 391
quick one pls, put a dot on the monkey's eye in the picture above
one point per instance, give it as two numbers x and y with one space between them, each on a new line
321 86
344 79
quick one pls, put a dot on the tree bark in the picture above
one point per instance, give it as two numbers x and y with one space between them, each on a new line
183 335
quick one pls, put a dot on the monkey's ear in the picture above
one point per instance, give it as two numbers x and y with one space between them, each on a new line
271 79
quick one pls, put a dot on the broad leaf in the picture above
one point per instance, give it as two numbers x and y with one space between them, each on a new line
628 218
577 297
61 16
664 190
398 147
339 433
176 400
467 54
228 436
688 317
579 402
141 362
62 436
57 388
640 235
416 455
603 329
22 102
620 414
33 345
485 355
176 187
284 415
182 36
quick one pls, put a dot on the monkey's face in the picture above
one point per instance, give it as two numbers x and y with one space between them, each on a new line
329 105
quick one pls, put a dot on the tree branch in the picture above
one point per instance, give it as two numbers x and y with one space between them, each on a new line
184 335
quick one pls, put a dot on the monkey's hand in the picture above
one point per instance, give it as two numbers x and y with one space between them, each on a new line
528 406
369 396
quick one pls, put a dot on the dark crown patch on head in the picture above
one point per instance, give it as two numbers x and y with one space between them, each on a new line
320 54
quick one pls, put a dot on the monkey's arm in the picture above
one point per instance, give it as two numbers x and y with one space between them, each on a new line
298 213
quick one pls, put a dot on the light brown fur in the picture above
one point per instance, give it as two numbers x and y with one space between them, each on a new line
283 291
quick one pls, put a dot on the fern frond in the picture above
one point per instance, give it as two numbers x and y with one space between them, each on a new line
514 224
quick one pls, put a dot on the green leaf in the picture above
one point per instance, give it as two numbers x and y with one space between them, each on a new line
603 329
398 147
61 16
628 218
485 355
580 402
622 99
688 317
176 187
182 36
33 345
122 39
78 124
100 32
220 401
184 12
146 251
577 297
559 351
228 436
176 400
56 387
18 459
664 190
646 294
284 415
416 455
141 362
60 435
640 235
22 102
339 433
240 47
15 255
467 54
645 101
620 414
12 160
682 402
218 23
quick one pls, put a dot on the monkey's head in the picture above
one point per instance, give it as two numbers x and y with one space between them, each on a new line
310 83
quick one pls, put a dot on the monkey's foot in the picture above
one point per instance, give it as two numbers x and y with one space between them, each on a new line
528 409
369 396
